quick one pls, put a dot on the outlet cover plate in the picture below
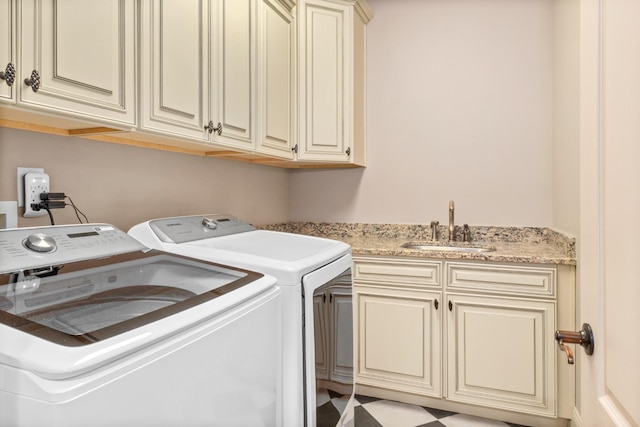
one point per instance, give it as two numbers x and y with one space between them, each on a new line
21 173
35 183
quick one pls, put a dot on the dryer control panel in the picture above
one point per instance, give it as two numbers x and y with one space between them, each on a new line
190 228
36 247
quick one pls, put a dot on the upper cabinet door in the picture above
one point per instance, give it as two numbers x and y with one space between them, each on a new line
79 56
7 50
233 72
276 83
325 43
174 65
332 75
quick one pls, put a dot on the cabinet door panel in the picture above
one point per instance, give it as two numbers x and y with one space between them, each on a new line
398 340
84 53
174 64
321 335
7 47
325 96
501 353
234 72
275 89
342 347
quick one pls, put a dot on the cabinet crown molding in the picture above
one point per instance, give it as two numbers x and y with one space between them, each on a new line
364 10
288 4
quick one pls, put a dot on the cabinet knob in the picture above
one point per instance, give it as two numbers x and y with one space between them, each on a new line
33 81
584 337
9 74
295 149
348 151
211 128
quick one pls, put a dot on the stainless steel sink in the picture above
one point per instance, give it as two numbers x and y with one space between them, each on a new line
438 247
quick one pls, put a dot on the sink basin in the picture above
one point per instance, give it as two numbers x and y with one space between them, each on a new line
428 246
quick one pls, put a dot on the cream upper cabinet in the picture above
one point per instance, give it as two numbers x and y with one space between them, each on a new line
174 67
219 71
233 72
7 51
332 65
79 58
276 82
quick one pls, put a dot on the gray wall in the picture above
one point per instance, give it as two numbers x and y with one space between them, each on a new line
125 185
460 106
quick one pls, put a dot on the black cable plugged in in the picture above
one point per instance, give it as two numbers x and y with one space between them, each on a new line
50 201
77 211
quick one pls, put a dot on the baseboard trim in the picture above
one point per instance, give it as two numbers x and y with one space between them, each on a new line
576 419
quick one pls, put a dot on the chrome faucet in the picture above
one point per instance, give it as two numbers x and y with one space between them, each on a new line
434 230
452 227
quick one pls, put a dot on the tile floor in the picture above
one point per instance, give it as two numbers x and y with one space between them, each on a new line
372 412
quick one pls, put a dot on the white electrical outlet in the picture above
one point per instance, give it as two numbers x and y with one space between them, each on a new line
20 178
34 184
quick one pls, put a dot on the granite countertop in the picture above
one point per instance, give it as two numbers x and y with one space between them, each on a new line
512 244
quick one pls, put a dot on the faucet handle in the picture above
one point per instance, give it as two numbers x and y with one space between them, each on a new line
466 233
434 230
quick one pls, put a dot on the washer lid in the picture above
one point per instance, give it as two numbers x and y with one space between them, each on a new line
91 301
95 311
285 256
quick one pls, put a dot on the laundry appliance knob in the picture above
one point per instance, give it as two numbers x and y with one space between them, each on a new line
40 243
209 223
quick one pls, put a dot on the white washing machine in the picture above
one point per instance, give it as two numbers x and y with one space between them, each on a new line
314 275
97 330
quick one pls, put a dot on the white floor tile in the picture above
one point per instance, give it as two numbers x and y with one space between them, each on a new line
322 397
341 402
460 420
395 414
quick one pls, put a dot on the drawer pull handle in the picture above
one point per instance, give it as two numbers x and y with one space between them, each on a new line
584 337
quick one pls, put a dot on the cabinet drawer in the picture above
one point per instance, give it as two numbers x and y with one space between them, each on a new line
521 280
391 271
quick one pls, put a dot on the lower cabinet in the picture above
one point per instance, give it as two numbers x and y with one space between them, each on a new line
333 317
399 339
472 334
499 353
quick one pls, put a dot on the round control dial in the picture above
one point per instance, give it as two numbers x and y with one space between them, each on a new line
209 223
40 243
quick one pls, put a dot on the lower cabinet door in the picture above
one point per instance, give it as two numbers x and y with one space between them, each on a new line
501 353
398 339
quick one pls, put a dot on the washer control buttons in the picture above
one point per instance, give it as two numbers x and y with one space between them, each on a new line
40 243
209 223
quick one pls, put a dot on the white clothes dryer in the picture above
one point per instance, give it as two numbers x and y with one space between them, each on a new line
97 330
314 276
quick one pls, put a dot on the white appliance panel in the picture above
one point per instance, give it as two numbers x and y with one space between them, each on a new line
290 258
98 330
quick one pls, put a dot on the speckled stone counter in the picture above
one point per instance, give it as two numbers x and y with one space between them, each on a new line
511 244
